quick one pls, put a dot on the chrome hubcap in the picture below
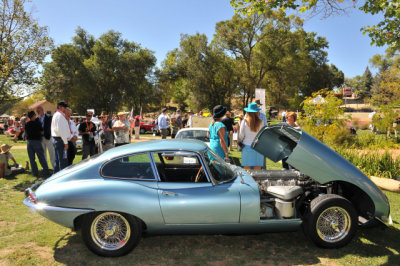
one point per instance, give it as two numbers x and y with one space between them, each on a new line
110 231
333 224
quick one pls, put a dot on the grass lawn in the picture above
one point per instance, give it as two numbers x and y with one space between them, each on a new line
27 238
9 140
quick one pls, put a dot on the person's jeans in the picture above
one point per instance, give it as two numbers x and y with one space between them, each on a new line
60 162
71 152
88 148
35 147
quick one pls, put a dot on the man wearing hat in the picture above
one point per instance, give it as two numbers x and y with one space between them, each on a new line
121 130
263 117
60 131
190 121
163 124
34 131
5 156
107 132
87 130
176 123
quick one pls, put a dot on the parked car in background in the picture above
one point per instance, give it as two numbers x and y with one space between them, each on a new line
181 186
197 133
146 126
347 92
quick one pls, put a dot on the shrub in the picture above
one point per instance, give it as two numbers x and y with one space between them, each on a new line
382 165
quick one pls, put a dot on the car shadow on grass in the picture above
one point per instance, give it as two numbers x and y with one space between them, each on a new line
28 183
370 246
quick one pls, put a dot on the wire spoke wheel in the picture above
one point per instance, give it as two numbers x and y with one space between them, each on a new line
110 231
333 224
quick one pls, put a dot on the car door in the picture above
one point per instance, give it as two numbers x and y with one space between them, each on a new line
189 202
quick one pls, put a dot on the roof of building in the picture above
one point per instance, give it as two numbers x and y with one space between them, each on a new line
37 104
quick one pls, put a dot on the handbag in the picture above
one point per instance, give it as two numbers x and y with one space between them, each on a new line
240 146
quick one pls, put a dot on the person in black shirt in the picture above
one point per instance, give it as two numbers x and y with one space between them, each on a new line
229 123
34 130
87 130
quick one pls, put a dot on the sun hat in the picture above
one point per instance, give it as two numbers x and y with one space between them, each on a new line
252 108
164 110
219 111
121 113
5 148
191 111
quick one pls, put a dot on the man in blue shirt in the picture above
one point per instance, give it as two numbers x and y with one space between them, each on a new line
263 117
163 124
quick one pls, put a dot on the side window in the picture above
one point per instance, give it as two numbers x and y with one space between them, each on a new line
179 167
135 166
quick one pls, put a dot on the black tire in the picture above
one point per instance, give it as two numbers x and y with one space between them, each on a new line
142 131
331 221
95 226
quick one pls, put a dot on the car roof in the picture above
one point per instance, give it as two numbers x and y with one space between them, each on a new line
194 128
156 145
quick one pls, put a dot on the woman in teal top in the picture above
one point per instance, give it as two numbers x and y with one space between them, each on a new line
218 134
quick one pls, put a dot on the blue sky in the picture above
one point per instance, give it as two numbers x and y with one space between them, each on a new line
158 24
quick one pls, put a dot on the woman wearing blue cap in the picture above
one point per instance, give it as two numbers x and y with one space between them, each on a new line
248 131
218 134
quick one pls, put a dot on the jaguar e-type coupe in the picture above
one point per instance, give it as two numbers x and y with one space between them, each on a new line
183 187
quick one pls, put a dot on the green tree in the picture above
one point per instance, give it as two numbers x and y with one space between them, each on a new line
324 119
386 32
23 46
239 36
388 91
368 81
105 73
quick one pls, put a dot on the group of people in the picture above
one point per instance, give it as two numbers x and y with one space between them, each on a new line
98 134
57 136
250 124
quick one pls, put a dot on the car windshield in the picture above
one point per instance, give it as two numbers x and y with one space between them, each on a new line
193 134
220 170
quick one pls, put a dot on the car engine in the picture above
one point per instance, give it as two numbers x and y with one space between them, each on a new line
281 191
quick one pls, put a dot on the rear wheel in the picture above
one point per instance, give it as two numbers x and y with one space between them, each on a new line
142 131
331 221
111 234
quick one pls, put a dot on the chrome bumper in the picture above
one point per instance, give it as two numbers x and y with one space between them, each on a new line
61 215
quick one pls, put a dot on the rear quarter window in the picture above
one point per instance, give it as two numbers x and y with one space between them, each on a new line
135 166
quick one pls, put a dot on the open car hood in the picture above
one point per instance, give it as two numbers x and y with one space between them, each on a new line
311 157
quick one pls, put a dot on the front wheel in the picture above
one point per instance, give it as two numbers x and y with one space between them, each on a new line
111 234
331 221
142 131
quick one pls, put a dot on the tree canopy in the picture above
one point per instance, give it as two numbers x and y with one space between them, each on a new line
269 50
386 32
105 73
23 46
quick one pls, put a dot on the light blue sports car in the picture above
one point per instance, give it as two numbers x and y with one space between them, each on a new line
182 187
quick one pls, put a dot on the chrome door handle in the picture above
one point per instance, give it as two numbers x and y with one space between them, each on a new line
169 193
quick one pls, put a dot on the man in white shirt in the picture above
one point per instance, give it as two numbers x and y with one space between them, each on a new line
61 132
72 139
190 121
